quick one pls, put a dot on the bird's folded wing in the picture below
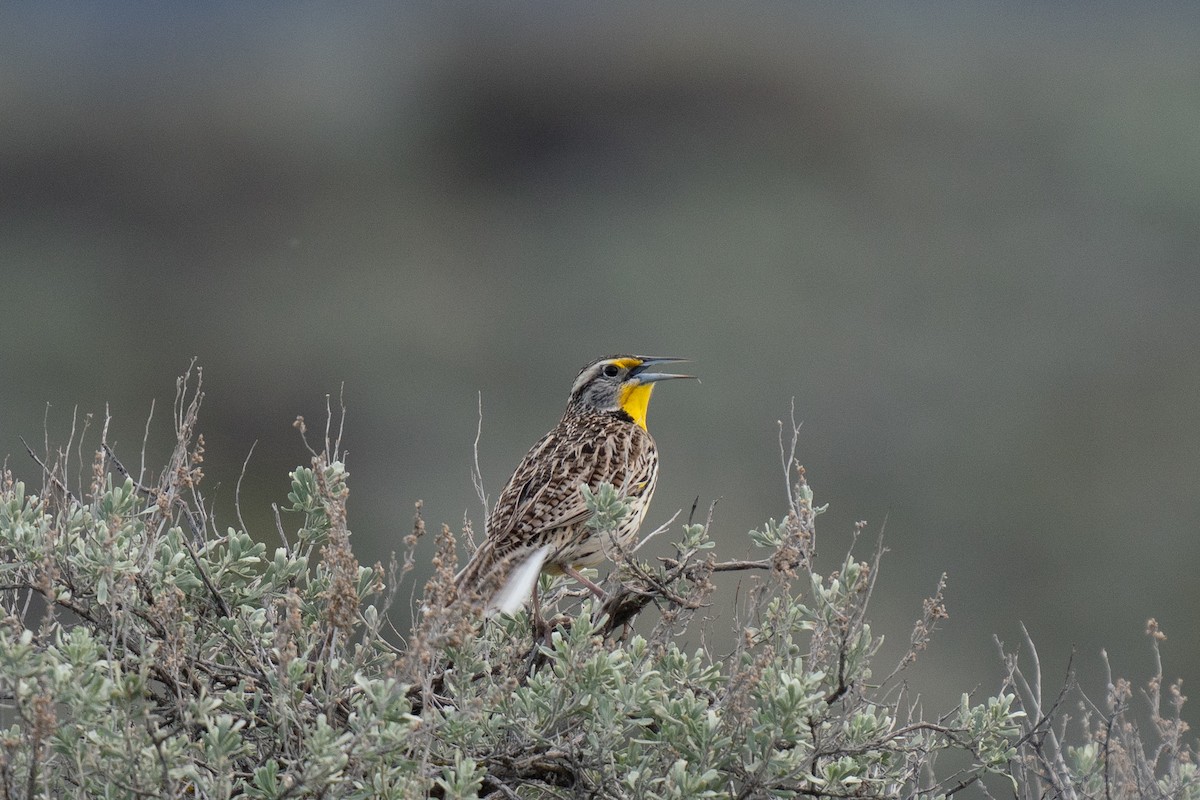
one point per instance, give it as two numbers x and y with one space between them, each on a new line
542 495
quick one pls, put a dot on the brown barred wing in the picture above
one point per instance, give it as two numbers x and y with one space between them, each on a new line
541 513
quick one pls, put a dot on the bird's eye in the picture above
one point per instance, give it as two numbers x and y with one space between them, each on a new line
611 371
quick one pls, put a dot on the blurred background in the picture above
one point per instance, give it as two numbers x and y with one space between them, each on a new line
965 239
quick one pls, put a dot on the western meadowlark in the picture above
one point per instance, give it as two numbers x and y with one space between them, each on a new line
539 523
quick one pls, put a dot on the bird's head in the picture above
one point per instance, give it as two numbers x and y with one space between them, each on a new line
620 384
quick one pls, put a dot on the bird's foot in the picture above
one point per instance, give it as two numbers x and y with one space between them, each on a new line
601 595
541 627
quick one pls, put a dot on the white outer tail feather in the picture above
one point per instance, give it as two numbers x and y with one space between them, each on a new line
519 584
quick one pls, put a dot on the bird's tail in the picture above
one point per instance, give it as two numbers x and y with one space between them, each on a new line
501 584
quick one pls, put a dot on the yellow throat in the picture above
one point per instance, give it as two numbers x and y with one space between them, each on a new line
635 400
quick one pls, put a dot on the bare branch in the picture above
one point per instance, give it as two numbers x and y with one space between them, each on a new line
476 472
287 548
47 472
787 457
145 440
237 491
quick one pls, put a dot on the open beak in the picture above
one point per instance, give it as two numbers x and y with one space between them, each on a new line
640 374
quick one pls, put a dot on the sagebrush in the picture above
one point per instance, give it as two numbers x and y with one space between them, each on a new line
144 653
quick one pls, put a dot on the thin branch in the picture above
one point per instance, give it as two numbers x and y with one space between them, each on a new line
222 606
116 462
337 445
145 439
726 566
328 421
87 423
476 472
788 457
65 453
657 531
287 548
47 472
237 491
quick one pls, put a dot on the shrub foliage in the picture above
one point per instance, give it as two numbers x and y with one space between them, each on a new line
144 653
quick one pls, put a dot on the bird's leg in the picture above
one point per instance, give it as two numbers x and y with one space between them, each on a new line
541 631
601 595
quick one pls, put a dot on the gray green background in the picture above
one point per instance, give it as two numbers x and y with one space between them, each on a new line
964 238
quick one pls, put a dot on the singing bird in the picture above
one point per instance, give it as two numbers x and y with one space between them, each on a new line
539 523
